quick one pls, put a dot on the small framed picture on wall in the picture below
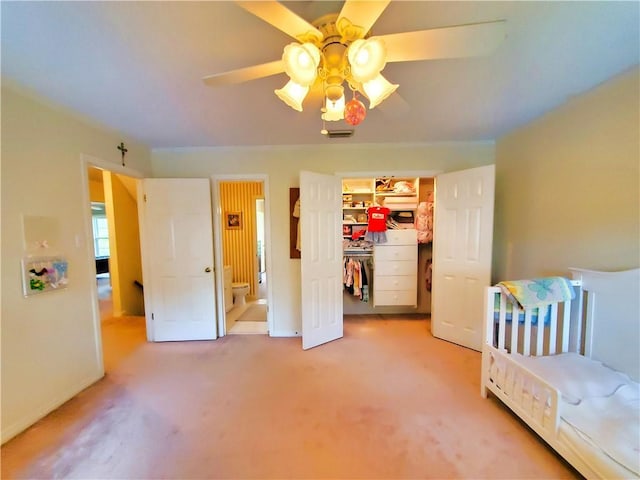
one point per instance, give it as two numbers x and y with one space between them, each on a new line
233 220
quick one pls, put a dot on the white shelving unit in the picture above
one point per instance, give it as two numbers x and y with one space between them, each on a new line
400 195
357 196
395 267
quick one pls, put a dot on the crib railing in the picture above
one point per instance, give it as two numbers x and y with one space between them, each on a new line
547 330
528 395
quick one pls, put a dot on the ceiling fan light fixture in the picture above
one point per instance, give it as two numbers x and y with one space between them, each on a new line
378 89
293 94
354 111
367 58
301 62
334 111
334 91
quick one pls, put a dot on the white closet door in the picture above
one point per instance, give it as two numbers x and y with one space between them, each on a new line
321 258
462 243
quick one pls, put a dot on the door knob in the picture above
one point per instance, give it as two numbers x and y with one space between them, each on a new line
208 269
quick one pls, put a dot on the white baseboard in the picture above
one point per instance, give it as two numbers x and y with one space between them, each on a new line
43 410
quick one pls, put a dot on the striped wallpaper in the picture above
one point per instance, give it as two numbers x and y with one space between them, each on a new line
239 246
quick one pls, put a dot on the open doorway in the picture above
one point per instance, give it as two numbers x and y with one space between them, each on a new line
461 262
242 245
116 250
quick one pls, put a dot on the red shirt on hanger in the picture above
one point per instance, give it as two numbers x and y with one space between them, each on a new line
377 218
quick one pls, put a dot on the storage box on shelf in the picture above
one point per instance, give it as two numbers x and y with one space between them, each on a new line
400 195
397 193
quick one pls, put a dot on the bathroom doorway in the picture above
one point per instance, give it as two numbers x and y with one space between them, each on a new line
262 264
241 240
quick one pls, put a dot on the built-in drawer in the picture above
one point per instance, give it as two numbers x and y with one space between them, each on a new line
402 237
396 282
395 298
396 252
395 267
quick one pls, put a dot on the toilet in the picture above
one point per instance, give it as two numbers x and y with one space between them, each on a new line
240 290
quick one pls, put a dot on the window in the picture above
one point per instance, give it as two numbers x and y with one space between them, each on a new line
100 230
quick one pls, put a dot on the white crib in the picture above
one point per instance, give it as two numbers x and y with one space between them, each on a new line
571 372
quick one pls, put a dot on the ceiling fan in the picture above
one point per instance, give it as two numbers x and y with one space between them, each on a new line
339 48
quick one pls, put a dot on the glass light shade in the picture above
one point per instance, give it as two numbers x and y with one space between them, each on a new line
367 58
334 110
301 62
354 112
378 89
293 94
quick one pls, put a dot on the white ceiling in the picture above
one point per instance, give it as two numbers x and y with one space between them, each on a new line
136 67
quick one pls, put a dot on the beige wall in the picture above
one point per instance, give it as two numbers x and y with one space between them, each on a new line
49 342
282 165
567 186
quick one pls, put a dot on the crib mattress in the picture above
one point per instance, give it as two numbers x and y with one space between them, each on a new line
611 422
591 454
600 411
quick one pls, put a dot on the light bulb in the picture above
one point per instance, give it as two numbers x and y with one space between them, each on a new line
367 58
293 94
378 89
301 62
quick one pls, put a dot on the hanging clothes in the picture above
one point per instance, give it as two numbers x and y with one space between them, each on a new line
377 226
296 214
427 274
365 283
355 277
424 221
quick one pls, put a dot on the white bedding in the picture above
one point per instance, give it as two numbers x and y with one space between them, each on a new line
575 376
580 446
601 405
612 422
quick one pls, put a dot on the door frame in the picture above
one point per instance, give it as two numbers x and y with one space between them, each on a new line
217 244
385 173
89 161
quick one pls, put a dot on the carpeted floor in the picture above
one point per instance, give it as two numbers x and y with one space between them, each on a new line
256 312
387 401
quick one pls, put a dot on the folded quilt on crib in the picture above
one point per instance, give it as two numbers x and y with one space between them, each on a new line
537 292
543 312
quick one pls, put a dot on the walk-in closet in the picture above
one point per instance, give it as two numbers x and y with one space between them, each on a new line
387 229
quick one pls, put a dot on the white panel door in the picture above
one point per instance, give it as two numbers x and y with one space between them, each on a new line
178 259
321 258
462 243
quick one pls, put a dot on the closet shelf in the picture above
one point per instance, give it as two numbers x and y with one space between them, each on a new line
395 194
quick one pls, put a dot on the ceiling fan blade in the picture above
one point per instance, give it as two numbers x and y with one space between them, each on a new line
449 42
357 17
394 106
283 19
244 74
